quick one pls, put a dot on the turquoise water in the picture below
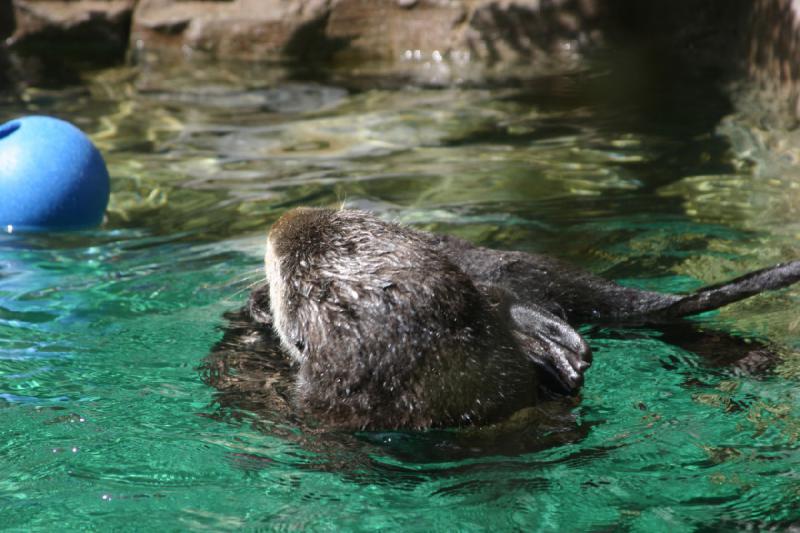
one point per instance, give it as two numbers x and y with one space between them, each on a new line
107 423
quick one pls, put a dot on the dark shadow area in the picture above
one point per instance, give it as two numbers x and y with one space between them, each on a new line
6 72
719 351
7 25
95 39
705 35
53 54
628 91
310 47
7 22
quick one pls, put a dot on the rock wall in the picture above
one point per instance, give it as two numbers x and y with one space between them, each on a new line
397 34
343 31
445 37
490 32
772 55
240 29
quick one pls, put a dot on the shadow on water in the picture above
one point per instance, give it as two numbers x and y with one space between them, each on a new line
632 93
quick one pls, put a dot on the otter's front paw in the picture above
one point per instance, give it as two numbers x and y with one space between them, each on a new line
553 345
258 305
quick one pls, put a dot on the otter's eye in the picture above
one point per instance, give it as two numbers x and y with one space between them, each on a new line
300 346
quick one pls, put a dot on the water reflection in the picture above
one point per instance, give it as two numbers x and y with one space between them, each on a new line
617 168
217 151
563 164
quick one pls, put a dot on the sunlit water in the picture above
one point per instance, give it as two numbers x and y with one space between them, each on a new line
106 421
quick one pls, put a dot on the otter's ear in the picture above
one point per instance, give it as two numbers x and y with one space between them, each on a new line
258 305
553 345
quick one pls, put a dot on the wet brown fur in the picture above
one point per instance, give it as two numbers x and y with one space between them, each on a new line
389 327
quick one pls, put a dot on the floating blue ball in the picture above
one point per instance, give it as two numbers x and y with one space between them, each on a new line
51 176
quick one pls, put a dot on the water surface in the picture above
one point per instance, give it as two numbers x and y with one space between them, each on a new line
107 423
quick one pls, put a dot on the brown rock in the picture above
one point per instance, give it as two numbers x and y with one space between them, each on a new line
524 31
388 30
443 38
400 36
442 41
773 61
242 29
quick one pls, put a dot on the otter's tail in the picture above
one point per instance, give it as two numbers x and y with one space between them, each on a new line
708 298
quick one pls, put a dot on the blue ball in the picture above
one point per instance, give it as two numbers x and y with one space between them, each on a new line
51 176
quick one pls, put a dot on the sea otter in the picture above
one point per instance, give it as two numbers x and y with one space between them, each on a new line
392 328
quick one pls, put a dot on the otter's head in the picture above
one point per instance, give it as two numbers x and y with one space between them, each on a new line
378 318
293 243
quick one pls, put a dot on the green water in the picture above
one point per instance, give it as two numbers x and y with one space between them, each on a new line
106 423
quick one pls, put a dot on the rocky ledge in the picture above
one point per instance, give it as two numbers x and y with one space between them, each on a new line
438 41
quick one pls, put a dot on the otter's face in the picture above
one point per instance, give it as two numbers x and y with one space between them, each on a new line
276 298
290 242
